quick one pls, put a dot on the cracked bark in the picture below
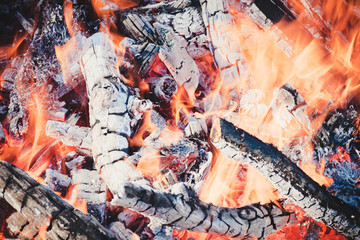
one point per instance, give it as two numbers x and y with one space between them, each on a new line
42 212
181 209
287 177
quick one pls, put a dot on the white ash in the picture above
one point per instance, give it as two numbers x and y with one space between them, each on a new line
289 97
196 127
69 134
88 186
74 161
56 181
161 232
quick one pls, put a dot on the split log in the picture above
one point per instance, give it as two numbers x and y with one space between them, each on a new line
183 210
287 177
44 211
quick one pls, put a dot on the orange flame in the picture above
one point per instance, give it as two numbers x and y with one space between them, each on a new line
7 52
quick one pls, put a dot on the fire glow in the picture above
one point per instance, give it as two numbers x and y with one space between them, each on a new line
314 57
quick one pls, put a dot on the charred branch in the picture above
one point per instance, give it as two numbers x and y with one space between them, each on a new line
287 177
183 210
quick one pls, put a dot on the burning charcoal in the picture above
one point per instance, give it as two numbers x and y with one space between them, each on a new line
181 66
189 25
51 31
16 223
164 88
121 232
56 181
2 138
336 131
198 169
89 187
8 78
17 116
265 13
294 103
74 161
41 207
69 134
145 55
140 28
167 179
161 232
289 179
288 97
110 101
179 155
138 108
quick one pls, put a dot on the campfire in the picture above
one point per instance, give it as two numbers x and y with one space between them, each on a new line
179 119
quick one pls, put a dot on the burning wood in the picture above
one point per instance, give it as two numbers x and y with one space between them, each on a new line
289 179
143 142
180 208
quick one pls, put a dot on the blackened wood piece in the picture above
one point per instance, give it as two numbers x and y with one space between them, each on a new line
181 209
287 177
41 207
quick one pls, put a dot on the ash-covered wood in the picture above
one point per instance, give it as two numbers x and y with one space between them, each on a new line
287 177
185 20
121 232
113 108
183 210
289 98
69 134
56 181
224 46
177 60
44 212
90 188
145 55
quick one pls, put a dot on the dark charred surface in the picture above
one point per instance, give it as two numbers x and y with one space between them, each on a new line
271 162
22 192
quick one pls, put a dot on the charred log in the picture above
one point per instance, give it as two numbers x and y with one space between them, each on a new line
290 180
42 211
183 210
